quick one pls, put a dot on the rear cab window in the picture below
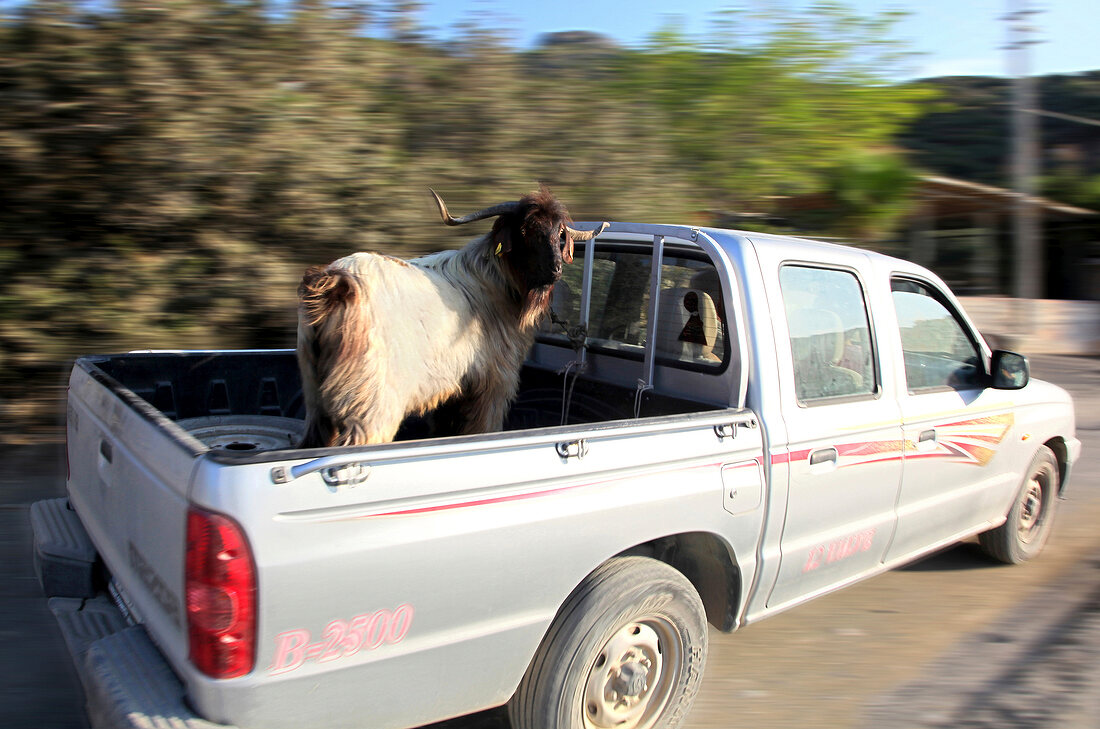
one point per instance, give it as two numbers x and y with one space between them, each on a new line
690 331
649 309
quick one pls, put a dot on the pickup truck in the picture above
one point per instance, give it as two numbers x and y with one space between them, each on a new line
717 426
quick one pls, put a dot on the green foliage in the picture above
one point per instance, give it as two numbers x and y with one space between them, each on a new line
871 191
1074 187
771 103
170 168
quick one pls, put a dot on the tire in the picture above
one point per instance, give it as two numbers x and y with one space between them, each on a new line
1031 517
626 650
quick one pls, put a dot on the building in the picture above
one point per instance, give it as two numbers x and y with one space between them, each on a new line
964 231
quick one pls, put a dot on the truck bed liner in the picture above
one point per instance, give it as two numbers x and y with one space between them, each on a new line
192 385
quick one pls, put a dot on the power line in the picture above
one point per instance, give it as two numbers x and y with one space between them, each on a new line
1064 117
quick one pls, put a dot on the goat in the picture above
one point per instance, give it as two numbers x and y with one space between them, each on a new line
381 338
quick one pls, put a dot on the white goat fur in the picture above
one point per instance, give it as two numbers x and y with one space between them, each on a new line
411 336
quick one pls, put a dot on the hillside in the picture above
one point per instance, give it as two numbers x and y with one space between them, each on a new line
967 133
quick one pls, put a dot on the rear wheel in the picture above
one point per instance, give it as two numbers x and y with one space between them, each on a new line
626 651
1031 517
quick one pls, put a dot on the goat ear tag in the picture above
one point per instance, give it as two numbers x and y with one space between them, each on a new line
503 241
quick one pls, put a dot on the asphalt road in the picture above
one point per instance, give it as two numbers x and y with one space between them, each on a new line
952 641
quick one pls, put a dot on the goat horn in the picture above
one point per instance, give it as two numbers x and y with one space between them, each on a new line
490 212
581 235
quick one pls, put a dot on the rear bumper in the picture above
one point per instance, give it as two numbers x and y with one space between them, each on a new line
127 682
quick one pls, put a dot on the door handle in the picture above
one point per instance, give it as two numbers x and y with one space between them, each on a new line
103 463
823 456
927 435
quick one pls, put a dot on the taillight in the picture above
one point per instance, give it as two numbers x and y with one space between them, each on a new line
221 596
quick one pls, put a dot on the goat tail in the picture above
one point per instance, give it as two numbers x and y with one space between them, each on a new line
330 333
324 292
330 306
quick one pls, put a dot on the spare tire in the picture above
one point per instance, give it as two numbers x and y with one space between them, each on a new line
245 433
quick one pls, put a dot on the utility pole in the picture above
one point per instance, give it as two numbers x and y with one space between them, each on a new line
1029 270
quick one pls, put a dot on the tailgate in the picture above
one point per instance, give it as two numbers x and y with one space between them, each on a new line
128 476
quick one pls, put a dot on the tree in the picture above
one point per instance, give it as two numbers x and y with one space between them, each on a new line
870 190
776 99
172 167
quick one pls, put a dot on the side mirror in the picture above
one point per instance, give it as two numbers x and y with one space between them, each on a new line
1008 370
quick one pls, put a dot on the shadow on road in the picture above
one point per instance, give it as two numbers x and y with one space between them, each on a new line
962 556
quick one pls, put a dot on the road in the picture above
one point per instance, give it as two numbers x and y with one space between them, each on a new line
862 657
952 641
866 656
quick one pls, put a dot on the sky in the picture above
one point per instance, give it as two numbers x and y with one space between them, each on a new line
953 37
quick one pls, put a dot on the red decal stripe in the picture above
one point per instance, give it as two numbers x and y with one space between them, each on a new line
478 502
522 496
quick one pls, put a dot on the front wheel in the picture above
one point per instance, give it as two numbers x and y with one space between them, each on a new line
626 651
1031 517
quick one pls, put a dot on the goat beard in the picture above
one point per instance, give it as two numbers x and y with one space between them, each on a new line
535 306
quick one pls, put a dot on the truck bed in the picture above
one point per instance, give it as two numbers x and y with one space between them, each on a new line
140 466
204 388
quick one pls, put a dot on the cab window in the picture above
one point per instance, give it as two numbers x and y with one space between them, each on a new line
830 333
939 353
690 331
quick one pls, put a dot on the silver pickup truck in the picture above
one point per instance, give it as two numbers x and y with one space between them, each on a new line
717 426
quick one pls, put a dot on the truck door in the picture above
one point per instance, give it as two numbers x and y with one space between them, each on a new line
844 449
954 425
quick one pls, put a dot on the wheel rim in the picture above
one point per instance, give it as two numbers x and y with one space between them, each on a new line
631 679
1031 511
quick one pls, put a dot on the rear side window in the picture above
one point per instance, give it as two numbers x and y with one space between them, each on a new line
830 333
938 351
690 318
